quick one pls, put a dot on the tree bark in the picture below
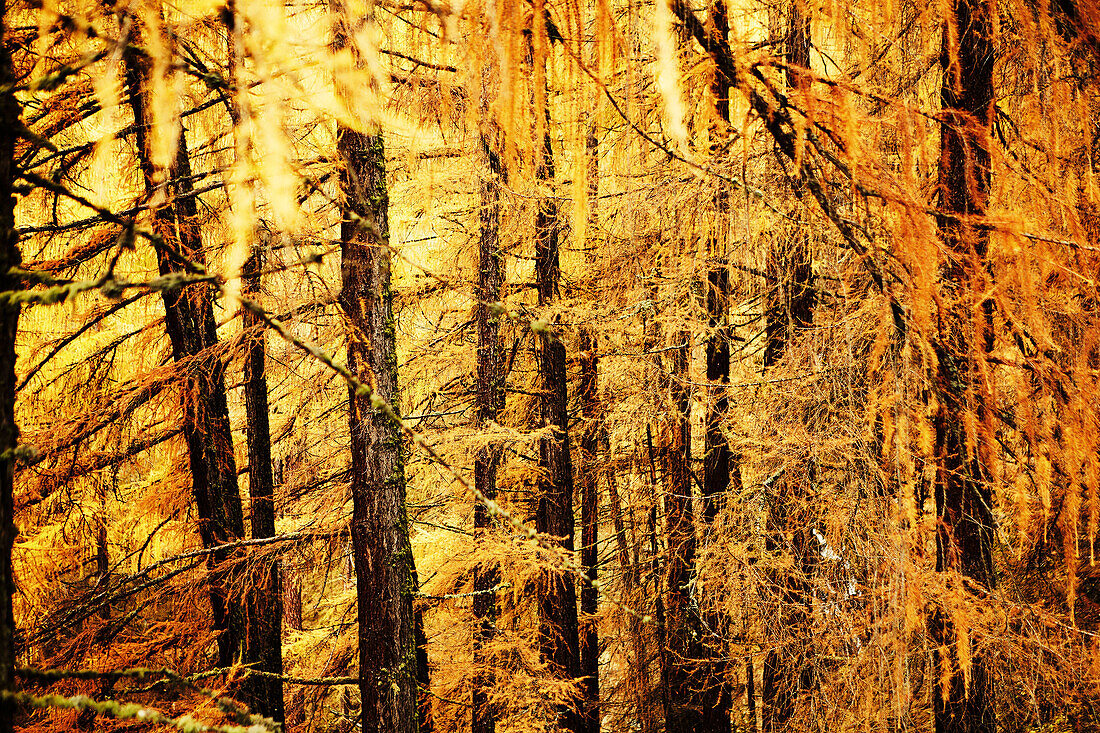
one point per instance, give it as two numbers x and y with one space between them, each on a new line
384 570
964 532
588 475
684 674
9 325
791 301
189 321
266 610
266 627
790 295
554 513
490 400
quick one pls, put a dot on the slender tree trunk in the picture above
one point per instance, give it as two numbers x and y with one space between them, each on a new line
189 321
588 475
718 462
9 325
490 400
266 610
266 627
684 683
964 532
554 515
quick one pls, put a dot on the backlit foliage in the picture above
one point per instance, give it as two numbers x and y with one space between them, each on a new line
823 558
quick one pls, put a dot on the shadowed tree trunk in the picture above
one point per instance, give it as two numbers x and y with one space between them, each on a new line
265 629
384 570
718 462
682 673
9 325
790 305
189 321
588 473
790 296
964 532
559 636
490 400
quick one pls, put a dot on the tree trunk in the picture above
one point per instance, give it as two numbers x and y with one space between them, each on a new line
266 610
9 325
266 613
716 698
490 400
189 321
964 541
790 296
684 675
384 570
588 475
554 514
791 300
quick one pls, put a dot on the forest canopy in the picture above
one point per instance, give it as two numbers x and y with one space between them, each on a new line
549 365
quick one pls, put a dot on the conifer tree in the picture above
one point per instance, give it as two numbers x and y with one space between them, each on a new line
490 380
189 321
554 513
9 325
384 570
265 616
964 530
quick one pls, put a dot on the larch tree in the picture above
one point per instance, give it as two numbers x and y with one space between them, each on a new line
384 571
490 377
811 294
266 614
554 511
964 502
9 326
190 324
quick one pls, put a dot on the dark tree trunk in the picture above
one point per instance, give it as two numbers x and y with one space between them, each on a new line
791 300
554 513
964 532
790 296
791 307
189 321
588 476
384 571
265 629
9 325
684 674
490 400
715 696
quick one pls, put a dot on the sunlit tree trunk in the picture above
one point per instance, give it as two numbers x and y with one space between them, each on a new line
9 325
266 610
490 400
391 666
964 532
384 570
189 321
